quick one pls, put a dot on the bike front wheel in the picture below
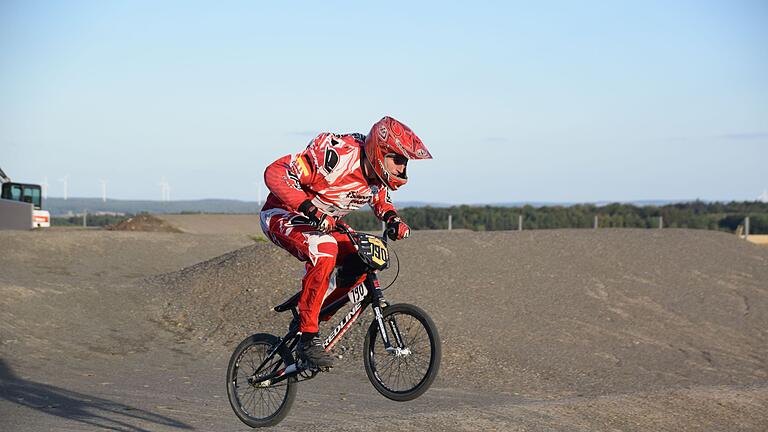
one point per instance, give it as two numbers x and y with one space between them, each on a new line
259 404
405 370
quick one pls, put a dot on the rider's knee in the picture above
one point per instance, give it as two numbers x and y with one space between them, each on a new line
322 247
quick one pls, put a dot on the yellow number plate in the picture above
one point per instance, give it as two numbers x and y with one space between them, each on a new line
378 251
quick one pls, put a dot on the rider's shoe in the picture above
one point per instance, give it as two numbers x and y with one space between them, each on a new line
312 352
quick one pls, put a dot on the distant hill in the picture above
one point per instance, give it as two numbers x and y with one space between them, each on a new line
62 207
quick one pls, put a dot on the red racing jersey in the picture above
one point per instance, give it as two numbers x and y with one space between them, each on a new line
329 173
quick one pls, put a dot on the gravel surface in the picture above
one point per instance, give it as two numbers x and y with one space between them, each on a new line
542 330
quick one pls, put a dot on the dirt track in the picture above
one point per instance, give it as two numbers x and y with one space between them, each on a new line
546 330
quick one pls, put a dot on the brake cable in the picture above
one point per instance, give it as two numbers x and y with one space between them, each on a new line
397 273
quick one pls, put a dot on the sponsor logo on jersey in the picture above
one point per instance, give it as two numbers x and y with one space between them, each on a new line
292 179
358 198
331 160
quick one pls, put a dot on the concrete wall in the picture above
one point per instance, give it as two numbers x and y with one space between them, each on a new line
15 215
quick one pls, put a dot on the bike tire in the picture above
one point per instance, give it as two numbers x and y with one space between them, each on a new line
278 398
411 321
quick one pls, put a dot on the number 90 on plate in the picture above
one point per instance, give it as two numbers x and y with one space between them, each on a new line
357 294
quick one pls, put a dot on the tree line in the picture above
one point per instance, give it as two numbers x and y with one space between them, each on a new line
91 220
696 215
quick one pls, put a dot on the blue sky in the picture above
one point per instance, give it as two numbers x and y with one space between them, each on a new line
553 101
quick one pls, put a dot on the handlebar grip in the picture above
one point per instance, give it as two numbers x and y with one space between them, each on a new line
391 232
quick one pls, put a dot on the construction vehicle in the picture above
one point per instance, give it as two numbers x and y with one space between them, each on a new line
21 205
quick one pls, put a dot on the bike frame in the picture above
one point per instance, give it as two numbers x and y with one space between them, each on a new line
374 299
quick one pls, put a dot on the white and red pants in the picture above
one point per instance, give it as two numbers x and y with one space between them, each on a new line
322 253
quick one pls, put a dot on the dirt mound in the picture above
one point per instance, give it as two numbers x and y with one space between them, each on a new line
229 296
145 222
565 312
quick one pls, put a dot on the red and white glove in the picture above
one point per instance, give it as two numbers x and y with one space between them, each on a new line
317 219
397 229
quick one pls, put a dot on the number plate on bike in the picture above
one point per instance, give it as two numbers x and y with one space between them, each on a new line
372 250
358 293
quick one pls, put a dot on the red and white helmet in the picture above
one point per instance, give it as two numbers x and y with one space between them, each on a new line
390 137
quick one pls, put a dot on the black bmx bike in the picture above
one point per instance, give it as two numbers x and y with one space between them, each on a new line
401 349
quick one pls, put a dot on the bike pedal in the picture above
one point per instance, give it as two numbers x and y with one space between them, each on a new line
321 368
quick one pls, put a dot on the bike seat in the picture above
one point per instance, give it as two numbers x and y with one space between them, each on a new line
288 304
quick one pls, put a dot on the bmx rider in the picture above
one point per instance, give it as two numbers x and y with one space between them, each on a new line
310 190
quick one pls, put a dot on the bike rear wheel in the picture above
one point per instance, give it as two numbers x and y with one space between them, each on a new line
259 405
405 372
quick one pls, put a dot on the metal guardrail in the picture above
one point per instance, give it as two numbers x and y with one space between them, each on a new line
741 231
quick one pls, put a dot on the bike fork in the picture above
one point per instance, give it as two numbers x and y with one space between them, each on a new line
382 327
378 301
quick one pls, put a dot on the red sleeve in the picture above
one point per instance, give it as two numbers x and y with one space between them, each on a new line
291 176
382 205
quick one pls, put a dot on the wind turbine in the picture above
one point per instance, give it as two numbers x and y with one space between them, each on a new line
165 190
258 189
103 190
45 187
65 179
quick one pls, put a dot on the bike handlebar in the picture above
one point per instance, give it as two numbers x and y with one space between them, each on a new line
344 228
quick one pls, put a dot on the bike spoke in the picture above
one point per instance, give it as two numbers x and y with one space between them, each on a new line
249 400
